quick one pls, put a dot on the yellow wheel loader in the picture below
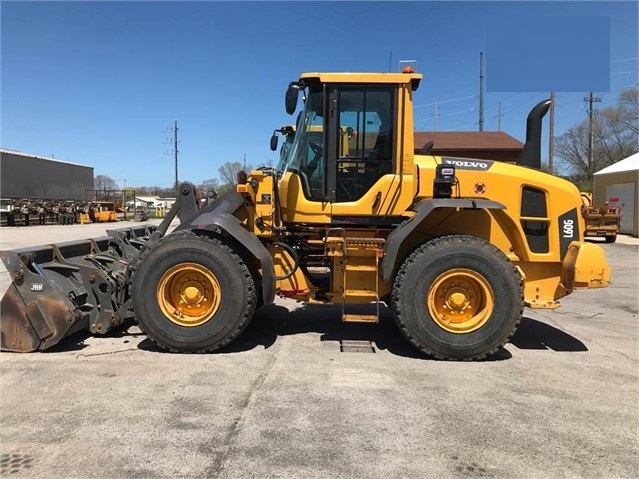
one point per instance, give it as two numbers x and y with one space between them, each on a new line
354 214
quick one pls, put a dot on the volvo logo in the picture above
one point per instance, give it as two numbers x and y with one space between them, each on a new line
464 164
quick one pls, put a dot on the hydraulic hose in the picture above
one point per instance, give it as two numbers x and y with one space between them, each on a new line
293 254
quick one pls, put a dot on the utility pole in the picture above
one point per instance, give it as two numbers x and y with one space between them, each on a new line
124 199
499 117
244 164
590 99
436 115
481 91
551 134
175 149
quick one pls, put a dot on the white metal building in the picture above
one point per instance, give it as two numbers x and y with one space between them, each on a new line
150 202
621 180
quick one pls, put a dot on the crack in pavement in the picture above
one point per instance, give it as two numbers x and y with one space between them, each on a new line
106 353
231 436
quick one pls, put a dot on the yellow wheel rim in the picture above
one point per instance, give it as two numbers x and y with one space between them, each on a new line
460 300
189 294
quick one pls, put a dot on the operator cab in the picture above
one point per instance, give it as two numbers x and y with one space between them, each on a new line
350 128
347 141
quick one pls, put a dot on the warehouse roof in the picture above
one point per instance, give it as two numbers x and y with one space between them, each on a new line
468 140
629 164
28 155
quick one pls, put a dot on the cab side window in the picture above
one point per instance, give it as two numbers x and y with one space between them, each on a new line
366 140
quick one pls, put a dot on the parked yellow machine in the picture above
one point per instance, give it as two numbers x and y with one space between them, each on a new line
354 214
602 221
103 212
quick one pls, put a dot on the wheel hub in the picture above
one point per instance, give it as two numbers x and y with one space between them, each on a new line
460 300
192 294
189 294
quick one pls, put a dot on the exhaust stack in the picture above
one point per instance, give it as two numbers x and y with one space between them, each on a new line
531 154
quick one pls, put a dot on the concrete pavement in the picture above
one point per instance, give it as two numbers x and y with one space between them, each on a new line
561 400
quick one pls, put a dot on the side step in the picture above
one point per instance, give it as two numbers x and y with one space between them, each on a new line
359 318
361 313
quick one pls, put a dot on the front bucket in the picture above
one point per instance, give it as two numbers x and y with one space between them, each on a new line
36 320
58 290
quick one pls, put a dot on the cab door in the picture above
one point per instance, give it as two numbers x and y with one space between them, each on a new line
363 181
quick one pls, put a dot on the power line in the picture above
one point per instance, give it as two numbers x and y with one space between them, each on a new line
445 101
528 100
503 100
625 86
437 115
569 103
462 126
458 112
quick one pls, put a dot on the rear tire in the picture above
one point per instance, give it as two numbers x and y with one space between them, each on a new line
611 239
192 293
457 297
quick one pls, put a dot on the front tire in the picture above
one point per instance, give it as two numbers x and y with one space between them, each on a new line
457 297
192 293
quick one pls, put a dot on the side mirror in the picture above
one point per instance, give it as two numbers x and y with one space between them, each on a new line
426 149
292 94
274 141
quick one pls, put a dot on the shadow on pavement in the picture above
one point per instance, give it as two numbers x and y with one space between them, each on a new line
533 334
273 321
75 342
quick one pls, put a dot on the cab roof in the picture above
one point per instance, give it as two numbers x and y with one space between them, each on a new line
363 77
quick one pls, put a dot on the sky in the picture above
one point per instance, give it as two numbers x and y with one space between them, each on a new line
102 83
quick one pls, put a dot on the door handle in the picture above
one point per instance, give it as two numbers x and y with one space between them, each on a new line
378 197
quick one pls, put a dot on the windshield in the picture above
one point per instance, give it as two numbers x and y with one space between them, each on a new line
306 146
286 146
